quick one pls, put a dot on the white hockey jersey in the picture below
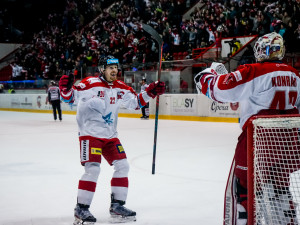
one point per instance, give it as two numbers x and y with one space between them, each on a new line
98 103
259 86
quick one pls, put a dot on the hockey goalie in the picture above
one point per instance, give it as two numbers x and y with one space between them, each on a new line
267 87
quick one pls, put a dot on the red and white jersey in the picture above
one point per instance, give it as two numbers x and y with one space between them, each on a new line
98 103
259 86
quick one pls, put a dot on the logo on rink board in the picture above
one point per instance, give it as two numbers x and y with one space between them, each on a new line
84 150
183 105
96 151
120 149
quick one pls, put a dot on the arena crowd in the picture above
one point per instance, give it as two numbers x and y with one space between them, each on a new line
78 36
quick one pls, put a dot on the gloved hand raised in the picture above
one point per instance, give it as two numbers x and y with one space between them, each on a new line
156 88
66 83
214 70
201 77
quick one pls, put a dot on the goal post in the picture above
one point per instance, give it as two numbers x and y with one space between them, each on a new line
273 157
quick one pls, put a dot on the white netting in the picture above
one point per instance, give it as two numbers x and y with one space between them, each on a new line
276 171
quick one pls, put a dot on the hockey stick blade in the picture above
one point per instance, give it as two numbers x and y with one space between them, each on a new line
153 33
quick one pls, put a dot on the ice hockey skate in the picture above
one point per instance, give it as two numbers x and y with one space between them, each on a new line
83 216
119 213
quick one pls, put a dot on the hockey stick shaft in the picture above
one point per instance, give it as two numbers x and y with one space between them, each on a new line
156 114
158 39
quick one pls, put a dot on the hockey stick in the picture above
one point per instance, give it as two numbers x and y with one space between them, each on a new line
158 39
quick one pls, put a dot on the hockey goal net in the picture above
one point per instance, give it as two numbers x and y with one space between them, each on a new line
274 170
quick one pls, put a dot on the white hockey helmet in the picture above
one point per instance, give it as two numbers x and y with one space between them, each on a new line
269 47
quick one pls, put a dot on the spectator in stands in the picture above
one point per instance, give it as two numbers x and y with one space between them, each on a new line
297 32
16 71
1 88
11 90
248 56
282 30
176 39
116 27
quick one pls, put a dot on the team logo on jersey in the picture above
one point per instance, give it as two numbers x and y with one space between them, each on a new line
96 151
120 94
120 148
229 78
108 120
84 154
101 94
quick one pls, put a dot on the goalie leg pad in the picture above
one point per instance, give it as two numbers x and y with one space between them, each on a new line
282 205
241 195
241 215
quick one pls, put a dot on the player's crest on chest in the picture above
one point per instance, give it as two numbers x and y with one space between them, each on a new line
101 94
120 94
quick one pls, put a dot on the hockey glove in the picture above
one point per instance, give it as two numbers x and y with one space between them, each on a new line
203 76
156 88
219 68
66 83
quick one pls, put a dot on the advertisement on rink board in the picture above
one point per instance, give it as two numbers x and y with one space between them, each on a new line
218 109
170 104
182 105
30 101
187 105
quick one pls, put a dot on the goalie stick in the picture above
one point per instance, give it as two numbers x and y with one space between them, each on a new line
158 39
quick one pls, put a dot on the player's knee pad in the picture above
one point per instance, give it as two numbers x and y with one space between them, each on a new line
92 171
121 168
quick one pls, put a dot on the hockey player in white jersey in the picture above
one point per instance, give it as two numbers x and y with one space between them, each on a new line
268 87
98 101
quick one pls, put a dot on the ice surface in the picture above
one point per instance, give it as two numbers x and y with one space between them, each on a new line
40 169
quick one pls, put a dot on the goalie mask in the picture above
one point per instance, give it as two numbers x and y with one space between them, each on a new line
269 47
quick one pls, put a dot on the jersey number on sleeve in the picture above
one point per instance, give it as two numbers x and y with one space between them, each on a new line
278 101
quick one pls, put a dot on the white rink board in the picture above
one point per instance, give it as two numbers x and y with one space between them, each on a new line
170 104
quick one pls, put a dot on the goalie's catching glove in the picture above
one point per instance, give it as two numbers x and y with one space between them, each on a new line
202 77
219 68
66 83
156 88
214 70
